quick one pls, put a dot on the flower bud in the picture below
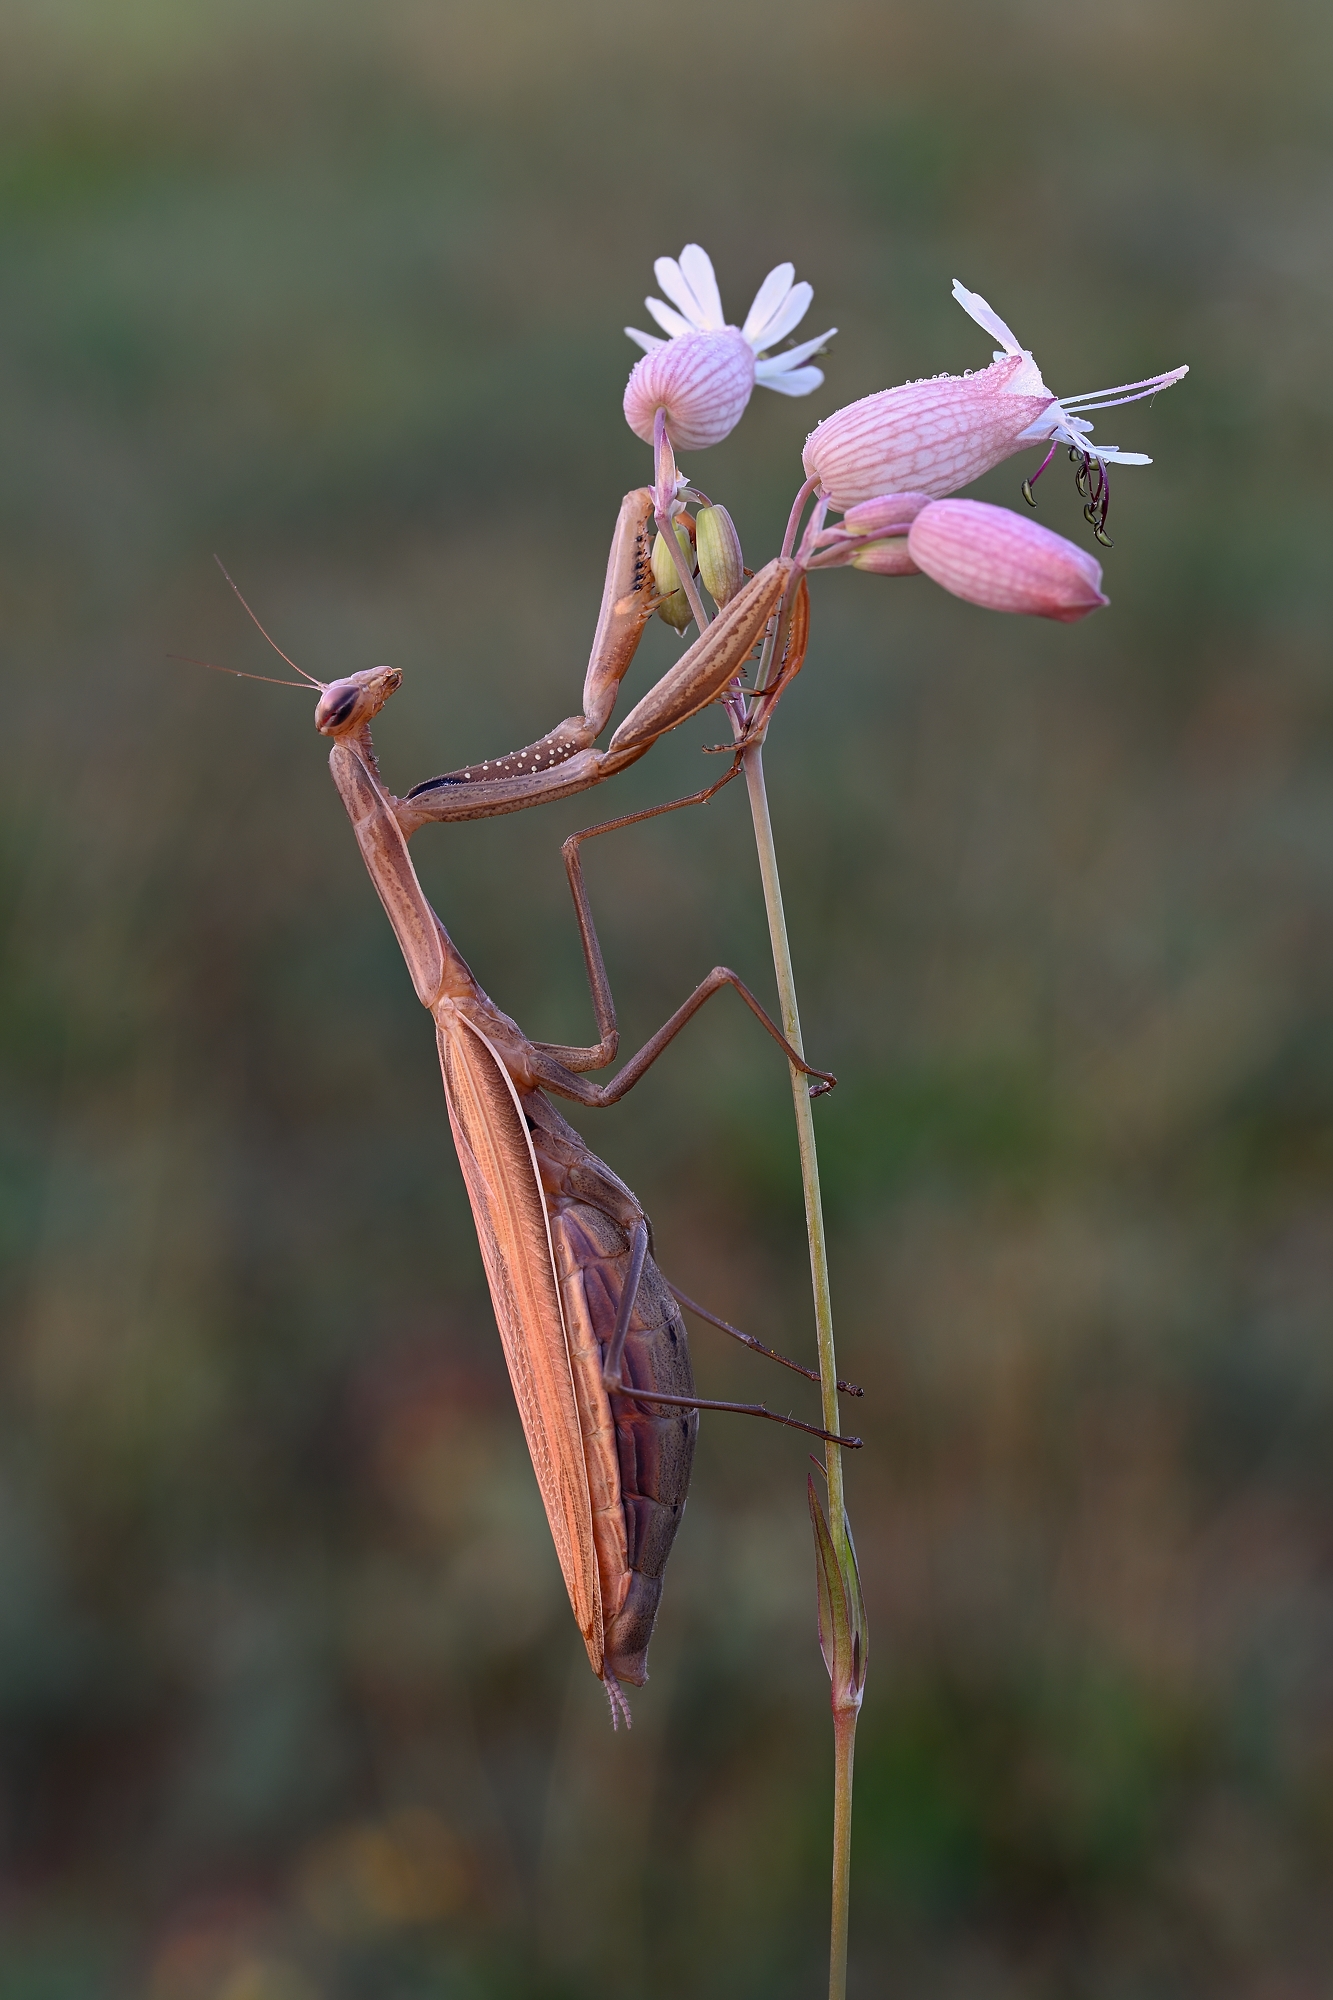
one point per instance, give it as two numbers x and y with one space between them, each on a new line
888 514
843 1637
887 558
665 556
703 382
674 610
721 564
674 607
1004 562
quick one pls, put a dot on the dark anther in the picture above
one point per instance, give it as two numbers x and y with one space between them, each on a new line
1099 534
1081 476
1090 515
1028 484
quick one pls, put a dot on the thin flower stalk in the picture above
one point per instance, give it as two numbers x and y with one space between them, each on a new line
836 1569
839 1559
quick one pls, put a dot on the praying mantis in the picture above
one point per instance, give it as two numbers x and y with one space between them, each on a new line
591 1330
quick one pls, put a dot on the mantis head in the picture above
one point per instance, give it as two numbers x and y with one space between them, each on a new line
348 705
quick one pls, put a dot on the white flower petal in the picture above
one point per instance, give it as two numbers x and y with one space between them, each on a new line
767 300
799 383
976 308
677 288
789 314
647 341
670 322
1112 456
791 357
697 266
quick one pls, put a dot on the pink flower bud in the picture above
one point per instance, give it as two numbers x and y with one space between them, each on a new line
888 514
702 381
1004 562
872 536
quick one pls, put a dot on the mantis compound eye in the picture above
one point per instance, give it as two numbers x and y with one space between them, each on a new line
349 704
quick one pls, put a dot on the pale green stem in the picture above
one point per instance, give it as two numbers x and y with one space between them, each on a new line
844 1753
844 1720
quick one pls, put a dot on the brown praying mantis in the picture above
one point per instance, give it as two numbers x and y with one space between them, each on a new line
592 1332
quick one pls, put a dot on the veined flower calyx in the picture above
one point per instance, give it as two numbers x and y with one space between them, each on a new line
939 435
704 371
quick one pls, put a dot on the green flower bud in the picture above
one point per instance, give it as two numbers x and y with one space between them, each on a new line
720 562
665 575
675 605
674 608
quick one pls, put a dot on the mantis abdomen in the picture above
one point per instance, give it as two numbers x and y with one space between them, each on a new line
653 1446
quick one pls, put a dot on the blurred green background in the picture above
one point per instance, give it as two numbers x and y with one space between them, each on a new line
291 1705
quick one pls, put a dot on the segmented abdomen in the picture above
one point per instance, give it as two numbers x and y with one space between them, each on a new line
653 1445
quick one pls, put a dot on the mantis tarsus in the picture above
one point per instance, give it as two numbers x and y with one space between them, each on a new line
592 1332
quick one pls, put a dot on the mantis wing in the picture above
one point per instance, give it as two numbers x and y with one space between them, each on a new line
509 1210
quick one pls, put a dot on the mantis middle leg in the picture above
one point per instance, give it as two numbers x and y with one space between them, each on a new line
560 1068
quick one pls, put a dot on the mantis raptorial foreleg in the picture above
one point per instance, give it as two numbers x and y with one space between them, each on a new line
565 760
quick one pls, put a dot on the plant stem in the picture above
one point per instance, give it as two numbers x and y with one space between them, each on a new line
844 1720
844 1753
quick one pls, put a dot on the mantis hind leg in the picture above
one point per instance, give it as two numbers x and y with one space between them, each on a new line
739 1410
748 1340
615 1386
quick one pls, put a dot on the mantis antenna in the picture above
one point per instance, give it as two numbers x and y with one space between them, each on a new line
309 679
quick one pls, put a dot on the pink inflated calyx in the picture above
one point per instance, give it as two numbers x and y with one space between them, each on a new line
700 370
939 435
932 437
702 381
1004 562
